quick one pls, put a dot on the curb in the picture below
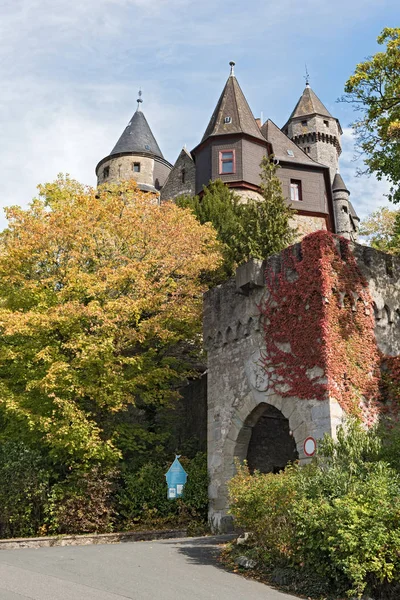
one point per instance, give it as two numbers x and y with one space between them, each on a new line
90 539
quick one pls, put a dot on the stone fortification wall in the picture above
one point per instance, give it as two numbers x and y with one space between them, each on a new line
240 388
382 273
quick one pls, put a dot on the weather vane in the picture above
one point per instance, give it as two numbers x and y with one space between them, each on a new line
307 76
139 100
232 65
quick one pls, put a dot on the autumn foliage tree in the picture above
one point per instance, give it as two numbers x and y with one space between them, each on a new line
100 310
381 228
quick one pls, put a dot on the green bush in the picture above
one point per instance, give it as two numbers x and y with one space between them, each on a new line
142 496
81 503
24 485
338 518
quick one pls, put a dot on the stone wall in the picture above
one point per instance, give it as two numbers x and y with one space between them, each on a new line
152 175
121 169
306 224
181 179
239 388
320 141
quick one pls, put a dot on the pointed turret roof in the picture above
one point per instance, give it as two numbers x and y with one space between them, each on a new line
137 137
338 184
309 104
232 104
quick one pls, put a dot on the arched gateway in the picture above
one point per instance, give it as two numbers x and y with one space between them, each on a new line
247 419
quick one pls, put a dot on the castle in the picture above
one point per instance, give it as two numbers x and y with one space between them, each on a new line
296 341
307 149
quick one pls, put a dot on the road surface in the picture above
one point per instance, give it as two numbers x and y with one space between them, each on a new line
184 569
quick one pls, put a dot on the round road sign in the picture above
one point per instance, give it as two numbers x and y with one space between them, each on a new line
310 446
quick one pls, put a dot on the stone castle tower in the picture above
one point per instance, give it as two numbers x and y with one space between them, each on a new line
136 155
313 129
231 149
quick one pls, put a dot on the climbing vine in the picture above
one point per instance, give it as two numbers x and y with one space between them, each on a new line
319 327
390 387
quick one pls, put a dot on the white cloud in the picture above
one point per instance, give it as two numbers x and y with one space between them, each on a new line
70 73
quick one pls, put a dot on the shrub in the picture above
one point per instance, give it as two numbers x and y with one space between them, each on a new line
81 503
23 490
142 496
262 504
338 518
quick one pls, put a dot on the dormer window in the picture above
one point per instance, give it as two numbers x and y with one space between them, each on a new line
227 120
106 172
290 153
227 162
136 167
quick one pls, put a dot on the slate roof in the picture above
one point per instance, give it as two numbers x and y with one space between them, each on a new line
338 184
137 137
283 148
309 104
353 212
232 103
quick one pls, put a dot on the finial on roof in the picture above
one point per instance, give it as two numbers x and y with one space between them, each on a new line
307 77
232 65
139 100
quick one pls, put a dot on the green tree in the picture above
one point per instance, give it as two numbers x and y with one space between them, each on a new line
251 229
374 90
380 229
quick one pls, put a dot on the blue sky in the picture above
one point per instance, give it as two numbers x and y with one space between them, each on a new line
70 72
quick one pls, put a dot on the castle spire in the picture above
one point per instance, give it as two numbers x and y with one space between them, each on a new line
137 136
309 104
232 113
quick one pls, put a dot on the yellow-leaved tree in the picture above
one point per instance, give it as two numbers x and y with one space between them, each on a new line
100 309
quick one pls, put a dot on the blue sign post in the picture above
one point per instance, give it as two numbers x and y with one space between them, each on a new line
176 478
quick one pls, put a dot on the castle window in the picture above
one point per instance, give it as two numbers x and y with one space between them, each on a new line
326 123
183 175
227 162
136 167
106 172
304 123
295 190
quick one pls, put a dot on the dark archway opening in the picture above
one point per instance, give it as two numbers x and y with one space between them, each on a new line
271 445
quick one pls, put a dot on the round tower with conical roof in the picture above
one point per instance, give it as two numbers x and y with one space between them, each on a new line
312 127
347 221
136 156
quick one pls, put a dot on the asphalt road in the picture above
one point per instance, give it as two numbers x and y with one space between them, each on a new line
184 569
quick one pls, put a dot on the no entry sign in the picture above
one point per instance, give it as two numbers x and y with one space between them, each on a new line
310 446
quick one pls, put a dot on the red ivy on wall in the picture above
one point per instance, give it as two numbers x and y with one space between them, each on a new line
390 386
319 327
